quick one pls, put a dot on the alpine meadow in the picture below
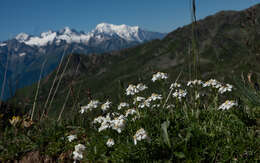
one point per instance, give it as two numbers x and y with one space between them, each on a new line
122 93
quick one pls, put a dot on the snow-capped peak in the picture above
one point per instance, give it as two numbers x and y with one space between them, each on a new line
22 37
129 33
67 30
46 34
106 27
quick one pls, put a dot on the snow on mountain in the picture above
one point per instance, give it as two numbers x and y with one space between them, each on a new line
46 37
22 37
102 30
71 36
126 32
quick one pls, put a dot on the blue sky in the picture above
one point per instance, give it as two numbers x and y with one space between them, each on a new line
35 16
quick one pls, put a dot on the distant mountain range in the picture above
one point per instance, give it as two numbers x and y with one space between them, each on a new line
25 53
118 35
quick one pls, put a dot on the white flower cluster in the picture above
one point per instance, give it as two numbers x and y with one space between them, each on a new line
71 137
134 89
104 121
227 105
175 85
159 76
212 83
216 84
155 97
110 142
130 112
92 105
156 106
140 135
78 152
106 105
117 123
180 94
147 102
194 82
225 88
138 99
122 105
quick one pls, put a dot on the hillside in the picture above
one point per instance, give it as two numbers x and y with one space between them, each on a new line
228 44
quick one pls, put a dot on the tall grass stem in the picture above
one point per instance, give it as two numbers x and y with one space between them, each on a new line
5 74
61 77
37 91
55 78
67 97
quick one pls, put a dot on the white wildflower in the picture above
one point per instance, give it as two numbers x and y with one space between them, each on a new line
82 110
105 123
110 142
80 148
78 152
122 105
194 82
132 89
130 112
180 94
141 87
77 156
146 103
225 88
106 105
175 85
138 99
156 106
212 83
104 126
140 135
155 97
92 105
159 76
98 120
118 123
227 105
71 137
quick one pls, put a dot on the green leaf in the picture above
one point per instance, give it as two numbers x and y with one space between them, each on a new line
179 155
164 127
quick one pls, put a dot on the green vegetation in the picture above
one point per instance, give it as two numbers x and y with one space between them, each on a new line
198 121
189 126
